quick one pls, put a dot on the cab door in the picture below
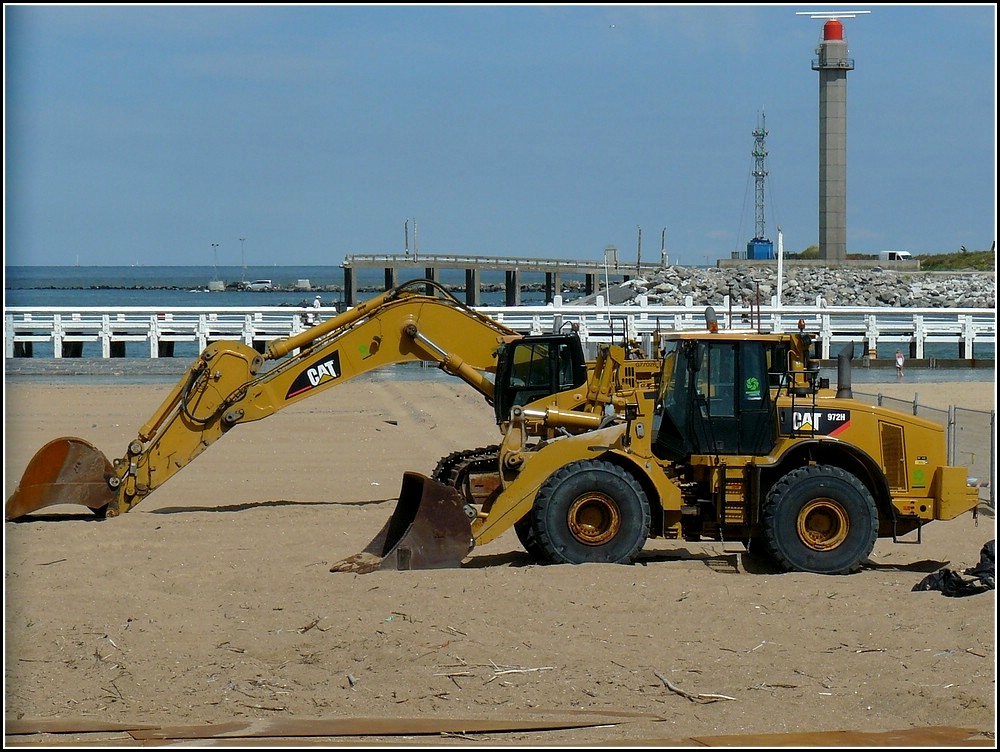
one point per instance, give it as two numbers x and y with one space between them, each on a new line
715 401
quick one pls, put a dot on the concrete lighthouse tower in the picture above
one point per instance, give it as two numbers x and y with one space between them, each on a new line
832 62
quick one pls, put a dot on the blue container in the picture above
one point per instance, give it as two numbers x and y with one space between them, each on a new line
760 249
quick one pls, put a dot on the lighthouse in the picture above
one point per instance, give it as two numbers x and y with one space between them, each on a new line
833 63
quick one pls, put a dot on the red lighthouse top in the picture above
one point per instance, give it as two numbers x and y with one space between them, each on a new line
833 30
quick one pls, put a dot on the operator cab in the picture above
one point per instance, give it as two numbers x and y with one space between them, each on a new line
715 397
535 367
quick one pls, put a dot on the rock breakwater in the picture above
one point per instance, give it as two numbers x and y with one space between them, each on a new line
832 286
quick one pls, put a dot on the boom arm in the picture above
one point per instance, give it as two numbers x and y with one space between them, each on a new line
228 384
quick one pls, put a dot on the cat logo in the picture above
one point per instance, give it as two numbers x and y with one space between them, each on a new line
817 422
316 374
806 421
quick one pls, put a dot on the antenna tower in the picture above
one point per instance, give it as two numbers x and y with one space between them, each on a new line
759 174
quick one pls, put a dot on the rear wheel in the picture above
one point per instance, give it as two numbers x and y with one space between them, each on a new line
590 511
821 519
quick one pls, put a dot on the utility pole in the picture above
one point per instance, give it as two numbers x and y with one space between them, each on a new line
243 273
638 253
781 259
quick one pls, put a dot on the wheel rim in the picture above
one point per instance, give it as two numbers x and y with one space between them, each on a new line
823 524
594 519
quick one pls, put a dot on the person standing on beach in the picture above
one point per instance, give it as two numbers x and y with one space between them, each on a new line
899 363
307 315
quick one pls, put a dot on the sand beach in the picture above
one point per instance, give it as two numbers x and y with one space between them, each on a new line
211 606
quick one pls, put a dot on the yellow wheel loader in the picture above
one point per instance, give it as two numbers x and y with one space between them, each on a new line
738 439
720 436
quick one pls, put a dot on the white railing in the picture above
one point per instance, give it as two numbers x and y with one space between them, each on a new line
62 332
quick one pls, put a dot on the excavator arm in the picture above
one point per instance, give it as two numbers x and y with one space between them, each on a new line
231 383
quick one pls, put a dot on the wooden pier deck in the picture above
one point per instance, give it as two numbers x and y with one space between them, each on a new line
429 266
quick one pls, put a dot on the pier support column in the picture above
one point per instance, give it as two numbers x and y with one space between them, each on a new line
472 287
350 287
72 349
590 284
391 277
553 286
430 273
513 288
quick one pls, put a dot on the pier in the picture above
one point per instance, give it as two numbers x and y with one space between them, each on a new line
967 335
430 265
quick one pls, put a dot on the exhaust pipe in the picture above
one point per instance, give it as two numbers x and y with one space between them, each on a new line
844 358
711 320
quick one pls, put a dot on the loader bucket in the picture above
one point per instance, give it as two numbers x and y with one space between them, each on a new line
428 529
64 471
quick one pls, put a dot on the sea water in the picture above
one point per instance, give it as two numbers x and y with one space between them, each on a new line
179 286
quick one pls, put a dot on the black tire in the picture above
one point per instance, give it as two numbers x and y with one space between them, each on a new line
820 519
526 535
591 511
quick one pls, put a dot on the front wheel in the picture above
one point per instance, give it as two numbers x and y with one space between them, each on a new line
591 511
528 539
821 519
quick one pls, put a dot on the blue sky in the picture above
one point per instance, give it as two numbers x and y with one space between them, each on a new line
144 134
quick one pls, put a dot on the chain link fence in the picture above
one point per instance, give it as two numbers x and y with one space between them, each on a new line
971 437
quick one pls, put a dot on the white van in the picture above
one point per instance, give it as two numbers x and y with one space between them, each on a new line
895 256
260 284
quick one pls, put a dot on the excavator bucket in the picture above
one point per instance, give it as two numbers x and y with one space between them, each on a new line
428 529
64 471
